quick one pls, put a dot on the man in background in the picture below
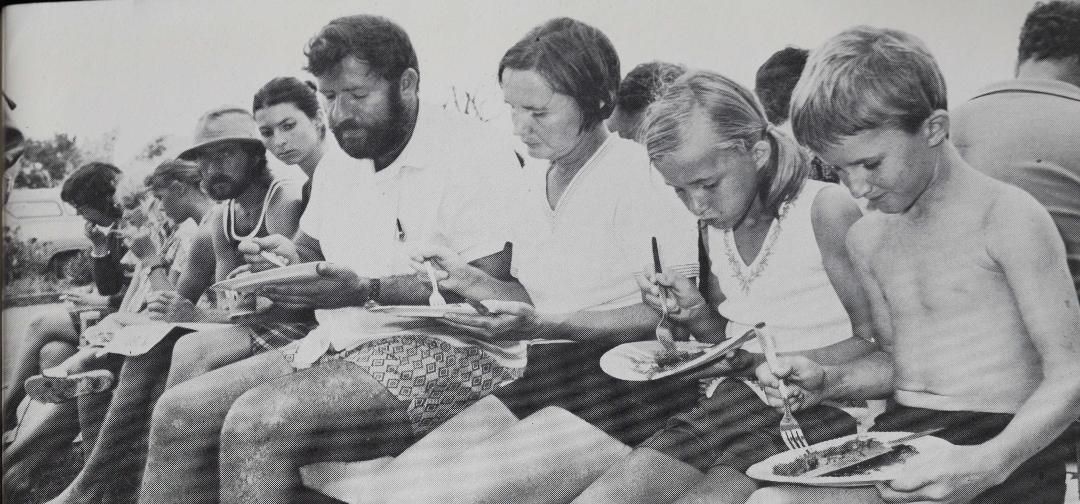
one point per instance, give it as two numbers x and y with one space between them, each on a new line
1026 131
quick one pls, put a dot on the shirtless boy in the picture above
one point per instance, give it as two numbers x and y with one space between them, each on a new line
978 322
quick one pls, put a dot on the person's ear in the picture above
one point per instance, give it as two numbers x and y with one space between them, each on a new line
761 151
408 81
936 128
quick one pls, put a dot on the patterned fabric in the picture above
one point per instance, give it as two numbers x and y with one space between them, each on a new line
436 379
272 336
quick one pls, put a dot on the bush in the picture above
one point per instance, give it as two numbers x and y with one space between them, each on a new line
22 259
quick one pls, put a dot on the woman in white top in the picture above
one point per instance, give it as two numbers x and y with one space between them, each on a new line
292 124
775 242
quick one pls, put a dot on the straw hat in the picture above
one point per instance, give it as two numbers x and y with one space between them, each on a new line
223 124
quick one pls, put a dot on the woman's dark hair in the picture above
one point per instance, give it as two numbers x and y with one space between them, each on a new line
1051 30
375 40
288 90
576 59
93 185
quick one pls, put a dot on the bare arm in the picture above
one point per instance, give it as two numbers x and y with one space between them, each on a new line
1026 244
200 272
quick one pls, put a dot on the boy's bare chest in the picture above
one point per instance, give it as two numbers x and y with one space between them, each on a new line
935 268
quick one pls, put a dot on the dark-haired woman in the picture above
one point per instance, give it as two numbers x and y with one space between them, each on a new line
292 124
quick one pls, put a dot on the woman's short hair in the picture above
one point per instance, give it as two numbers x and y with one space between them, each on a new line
575 59
738 120
862 79
288 90
93 185
174 170
375 40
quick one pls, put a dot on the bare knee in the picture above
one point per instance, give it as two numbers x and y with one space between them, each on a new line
55 353
260 415
771 495
190 358
178 414
51 325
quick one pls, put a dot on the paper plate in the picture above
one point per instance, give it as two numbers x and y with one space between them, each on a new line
424 311
637 361
927 446
282 275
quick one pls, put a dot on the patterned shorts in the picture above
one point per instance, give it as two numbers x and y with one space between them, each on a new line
274 335
436 379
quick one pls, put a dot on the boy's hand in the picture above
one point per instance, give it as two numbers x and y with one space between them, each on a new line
683 299
508 320
280 247
805 382
956 475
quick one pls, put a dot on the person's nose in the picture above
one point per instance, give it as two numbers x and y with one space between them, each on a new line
856 181
698 199
522 123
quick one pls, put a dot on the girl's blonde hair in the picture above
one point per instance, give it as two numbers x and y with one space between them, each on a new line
738 120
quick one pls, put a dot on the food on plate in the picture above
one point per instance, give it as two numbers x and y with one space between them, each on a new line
670 359
849 451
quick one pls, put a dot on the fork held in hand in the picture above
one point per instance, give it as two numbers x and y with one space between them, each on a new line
790 430
435 299
663 333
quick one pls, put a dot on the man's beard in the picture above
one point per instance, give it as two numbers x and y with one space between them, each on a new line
235 188
377 139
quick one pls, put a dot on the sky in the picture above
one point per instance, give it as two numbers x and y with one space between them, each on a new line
147 68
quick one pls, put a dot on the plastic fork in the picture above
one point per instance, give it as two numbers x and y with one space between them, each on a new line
663 333
435 299
790 430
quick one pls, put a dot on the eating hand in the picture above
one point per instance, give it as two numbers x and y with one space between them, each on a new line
805 381
954 475
335 286
451 270
170 306
507 320
256 250
86 300
99 238
684 301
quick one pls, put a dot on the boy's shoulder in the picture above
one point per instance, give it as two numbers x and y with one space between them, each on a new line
867 233
1011 206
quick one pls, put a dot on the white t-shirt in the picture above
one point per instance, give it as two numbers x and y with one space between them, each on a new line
785 286
584 253
453 185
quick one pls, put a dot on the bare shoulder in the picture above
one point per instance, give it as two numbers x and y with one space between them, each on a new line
834 204
1015 220
867 234
283 214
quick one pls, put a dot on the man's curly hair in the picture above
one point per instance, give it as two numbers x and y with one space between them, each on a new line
1051 31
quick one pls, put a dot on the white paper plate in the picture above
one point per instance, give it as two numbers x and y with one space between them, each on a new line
927 446
424 311
282 275
636 361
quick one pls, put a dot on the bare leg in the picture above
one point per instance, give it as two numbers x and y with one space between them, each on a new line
721 484
201 352
334 411
119 453
645 476
54 325
186 425
46 429
792 494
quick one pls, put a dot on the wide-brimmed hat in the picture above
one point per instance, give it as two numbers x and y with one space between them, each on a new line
223 124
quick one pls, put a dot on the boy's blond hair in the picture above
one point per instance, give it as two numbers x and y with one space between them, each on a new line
865 78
